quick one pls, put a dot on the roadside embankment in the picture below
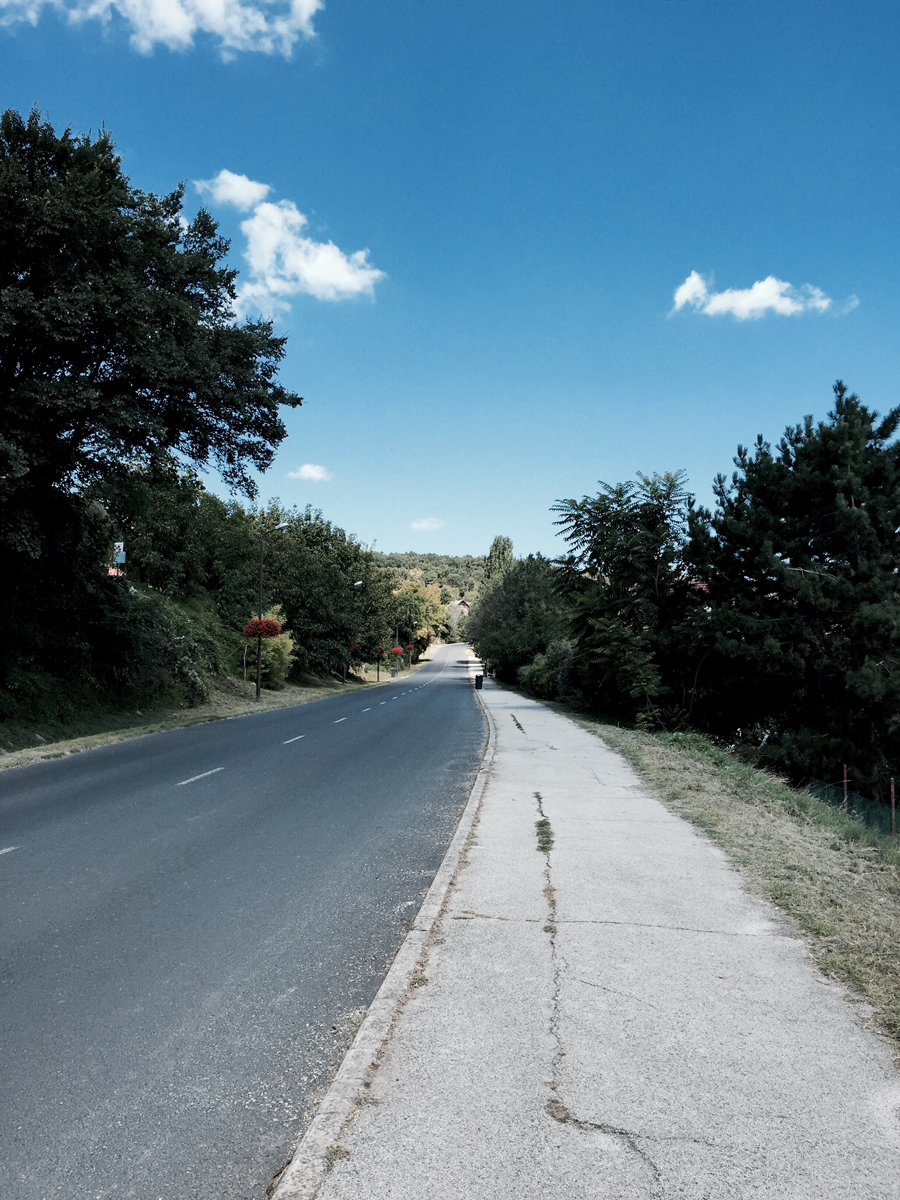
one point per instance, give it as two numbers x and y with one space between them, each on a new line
839 882
22 744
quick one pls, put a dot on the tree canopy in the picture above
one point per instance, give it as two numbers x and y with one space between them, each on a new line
517 616
121 364
117 338
800 563
455 575
771 622
500 558
624 577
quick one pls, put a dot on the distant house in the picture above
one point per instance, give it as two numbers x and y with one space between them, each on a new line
457 609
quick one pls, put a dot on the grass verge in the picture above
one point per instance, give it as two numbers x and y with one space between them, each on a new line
837 881
24 744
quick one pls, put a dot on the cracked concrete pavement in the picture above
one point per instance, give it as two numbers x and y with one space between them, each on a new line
613 1016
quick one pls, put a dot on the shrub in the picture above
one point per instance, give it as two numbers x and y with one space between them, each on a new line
277 651
552 675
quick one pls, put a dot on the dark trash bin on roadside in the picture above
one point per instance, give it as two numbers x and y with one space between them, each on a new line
479 682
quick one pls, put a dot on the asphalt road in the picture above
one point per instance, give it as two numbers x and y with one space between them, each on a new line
190 921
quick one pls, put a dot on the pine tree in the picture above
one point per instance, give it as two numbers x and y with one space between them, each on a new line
800 559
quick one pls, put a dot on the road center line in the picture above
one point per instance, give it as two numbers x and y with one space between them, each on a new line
338 721
367 710
9 849
203 776
296 739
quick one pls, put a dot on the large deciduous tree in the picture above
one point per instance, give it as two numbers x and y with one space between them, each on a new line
517 616
117 338
118 348
631 595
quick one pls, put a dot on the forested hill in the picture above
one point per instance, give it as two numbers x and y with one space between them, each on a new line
457 576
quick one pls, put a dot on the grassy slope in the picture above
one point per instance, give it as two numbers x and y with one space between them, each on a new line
214 657
839 884
22 745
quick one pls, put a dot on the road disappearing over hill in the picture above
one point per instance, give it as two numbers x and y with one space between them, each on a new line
193 920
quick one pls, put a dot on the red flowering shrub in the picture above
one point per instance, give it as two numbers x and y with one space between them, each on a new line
397 650
262 628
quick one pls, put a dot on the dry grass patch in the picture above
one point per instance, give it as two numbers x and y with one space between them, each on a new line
838 882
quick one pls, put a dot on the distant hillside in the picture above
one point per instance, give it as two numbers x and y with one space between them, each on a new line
455 576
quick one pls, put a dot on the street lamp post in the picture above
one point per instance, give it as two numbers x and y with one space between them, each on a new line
262 543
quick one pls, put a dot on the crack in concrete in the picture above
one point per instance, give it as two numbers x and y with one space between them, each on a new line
555 1107
615 991
670 928
624 787
469 916
558 1111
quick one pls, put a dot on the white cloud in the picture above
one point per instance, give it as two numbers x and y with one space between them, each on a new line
311 471
766 295
284 262
692 291
426 523
266 26
228 188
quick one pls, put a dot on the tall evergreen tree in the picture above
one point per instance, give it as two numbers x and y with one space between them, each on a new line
800 559
500 558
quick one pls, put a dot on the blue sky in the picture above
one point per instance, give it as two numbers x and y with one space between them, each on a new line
513 193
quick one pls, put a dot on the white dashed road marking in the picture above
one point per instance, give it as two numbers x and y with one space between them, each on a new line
193 778
338 721
9 849
296 739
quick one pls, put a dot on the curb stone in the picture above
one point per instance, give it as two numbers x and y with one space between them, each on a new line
302 1177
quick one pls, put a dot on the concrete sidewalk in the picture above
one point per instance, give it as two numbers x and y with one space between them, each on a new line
613 1017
